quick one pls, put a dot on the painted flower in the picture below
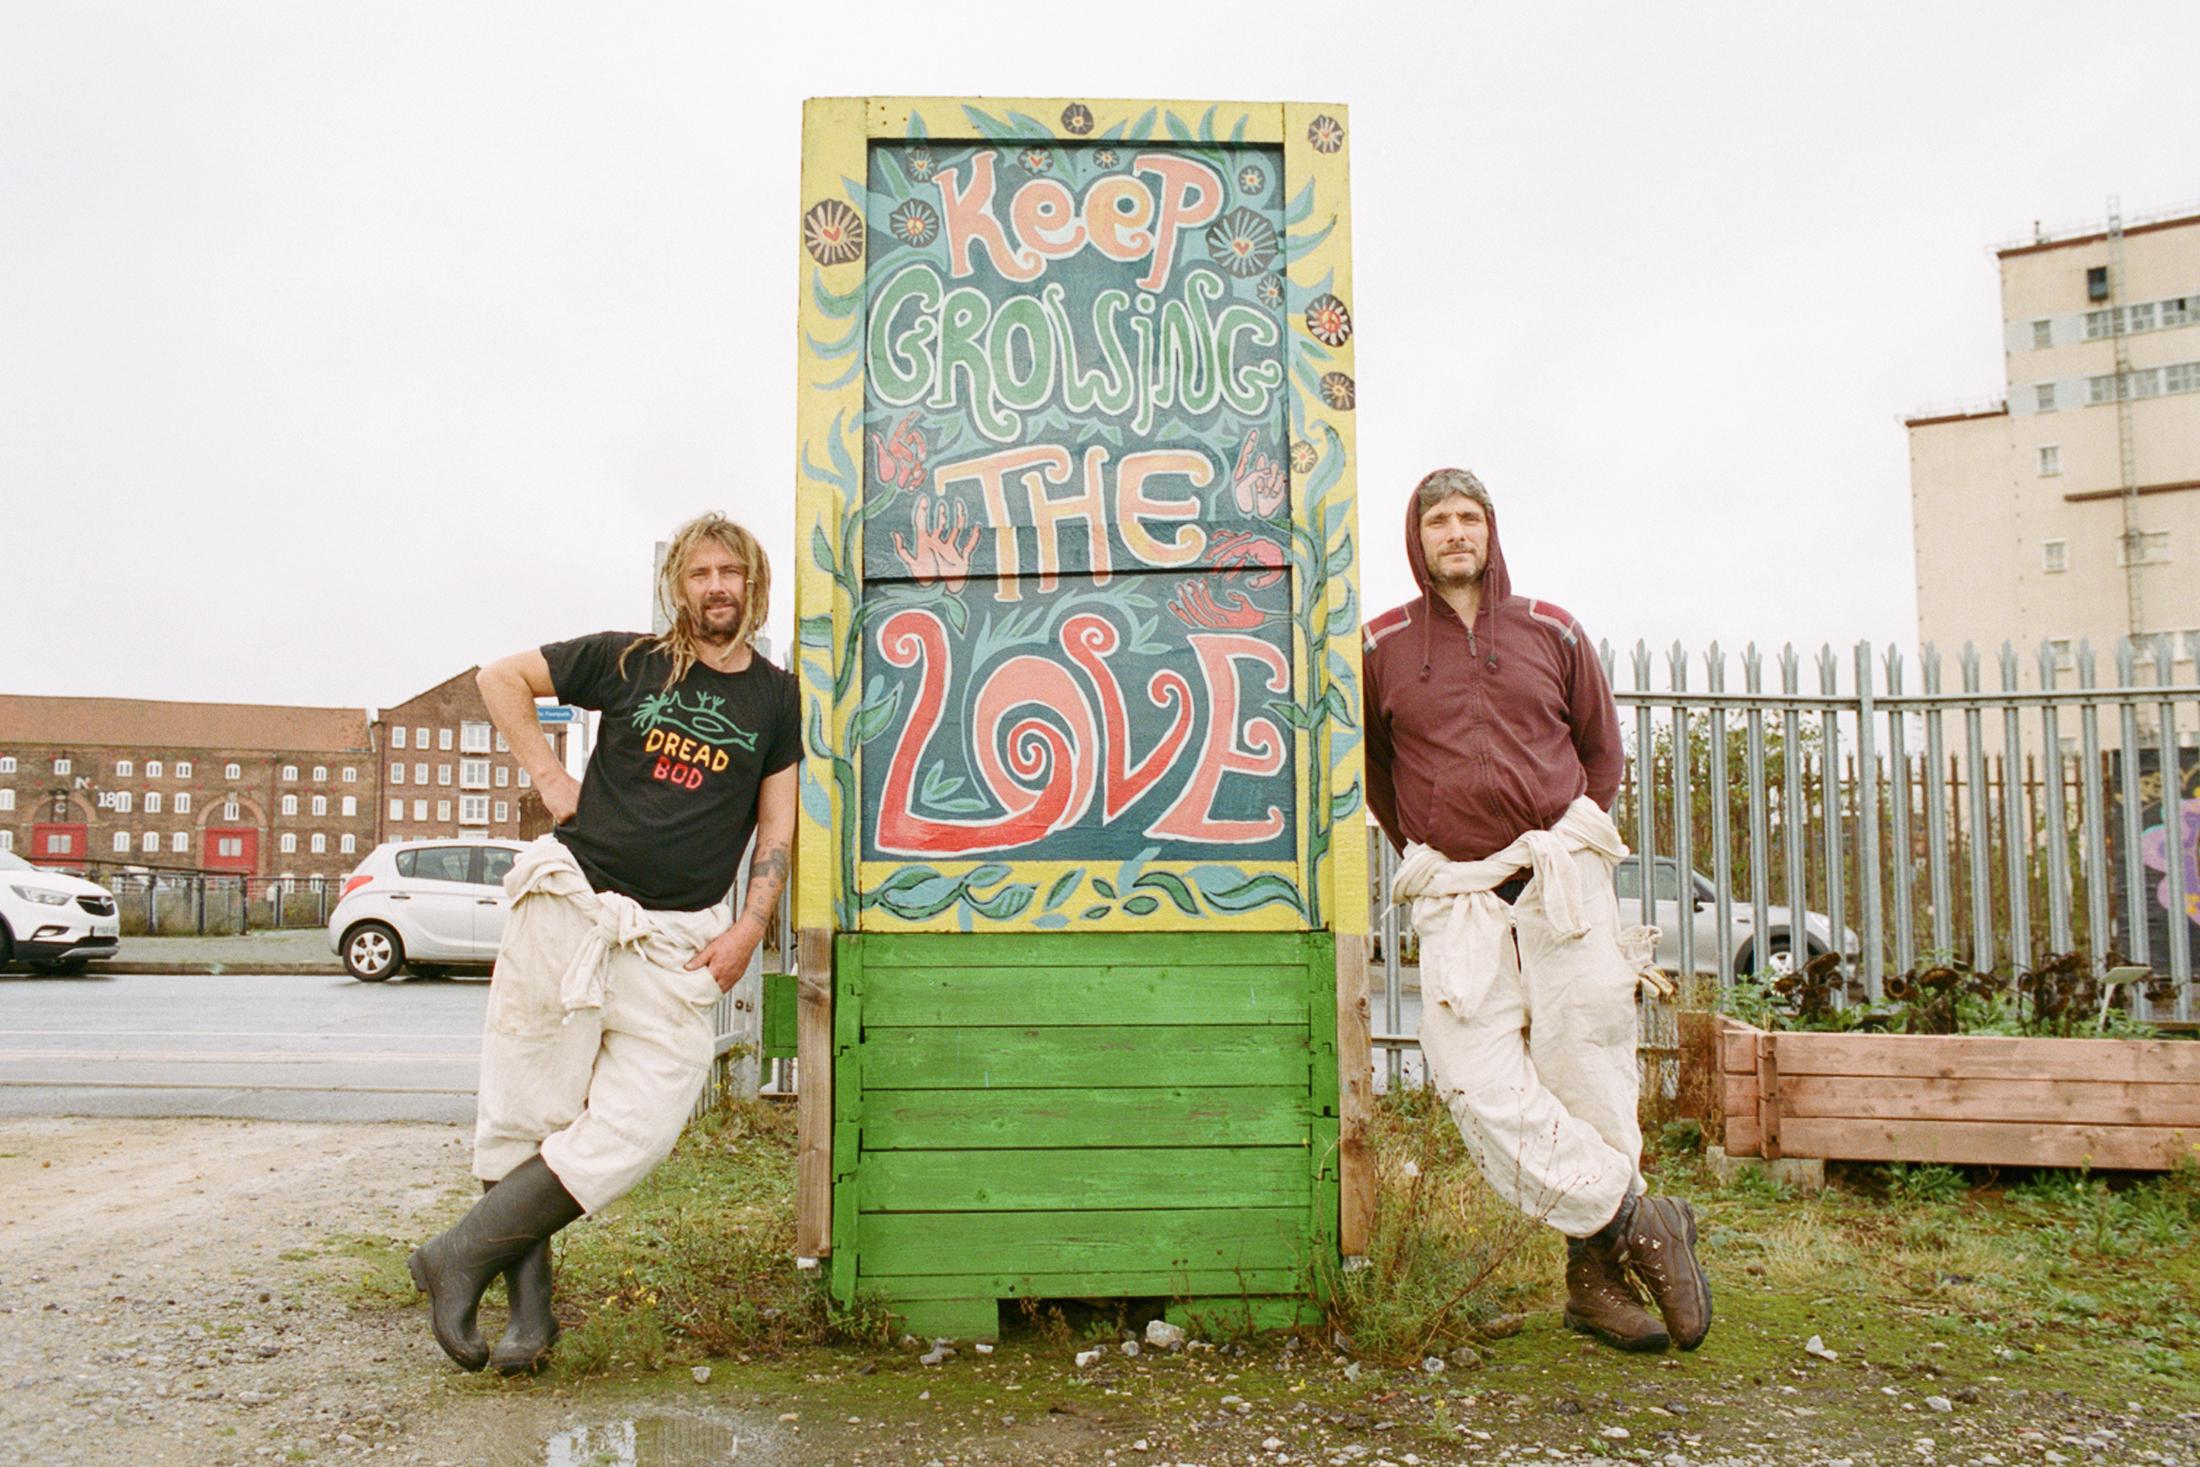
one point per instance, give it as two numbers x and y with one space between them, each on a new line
1270 290
1302 457
833 233
1338 392
1242 242
915 223
1326 133
921 164
1252 180
1328 319
1077 119
1106 158
1036 160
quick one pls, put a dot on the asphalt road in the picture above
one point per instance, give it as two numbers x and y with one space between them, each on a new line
316 1048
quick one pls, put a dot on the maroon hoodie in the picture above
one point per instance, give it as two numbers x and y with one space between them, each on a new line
1477 735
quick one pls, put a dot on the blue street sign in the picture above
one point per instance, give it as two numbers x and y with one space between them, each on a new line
553 713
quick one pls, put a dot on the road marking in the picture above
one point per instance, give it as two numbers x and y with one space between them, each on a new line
234 1056
214 1085
471 1034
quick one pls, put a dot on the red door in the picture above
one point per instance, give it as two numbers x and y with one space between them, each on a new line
60 843
233 849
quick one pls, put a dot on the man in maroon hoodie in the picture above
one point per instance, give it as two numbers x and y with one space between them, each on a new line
1493 757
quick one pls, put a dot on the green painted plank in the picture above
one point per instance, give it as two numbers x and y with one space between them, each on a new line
1083 1055
1016 1243
1170 994
1157 1283
1084 1180
780 1031
1173 1116
1081 949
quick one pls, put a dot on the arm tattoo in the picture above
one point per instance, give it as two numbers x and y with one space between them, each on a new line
767 879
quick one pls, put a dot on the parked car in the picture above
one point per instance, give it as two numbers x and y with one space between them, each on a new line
54 921
423 904
1778 952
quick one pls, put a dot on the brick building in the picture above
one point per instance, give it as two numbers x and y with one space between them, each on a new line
446 769
251 788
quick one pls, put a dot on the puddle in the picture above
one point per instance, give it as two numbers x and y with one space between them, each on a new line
660 1440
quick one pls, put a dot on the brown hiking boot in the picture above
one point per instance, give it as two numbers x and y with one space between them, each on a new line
1601 1300
1658 1246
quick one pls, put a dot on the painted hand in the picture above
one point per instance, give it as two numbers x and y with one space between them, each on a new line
1257 483
1195 606
900 458
1240 552
942 553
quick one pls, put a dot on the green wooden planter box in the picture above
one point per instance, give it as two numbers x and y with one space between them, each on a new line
1113 1115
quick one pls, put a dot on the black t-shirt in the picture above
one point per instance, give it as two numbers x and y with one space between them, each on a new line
669 801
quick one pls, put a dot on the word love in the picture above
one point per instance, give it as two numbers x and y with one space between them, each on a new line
1118 216
1075 763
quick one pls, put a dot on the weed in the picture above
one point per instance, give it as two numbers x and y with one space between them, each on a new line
1758 1183
1925 1183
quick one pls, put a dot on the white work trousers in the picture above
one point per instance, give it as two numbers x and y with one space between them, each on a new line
603 1092
1541 1077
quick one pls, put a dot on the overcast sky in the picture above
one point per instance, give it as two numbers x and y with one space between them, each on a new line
342 346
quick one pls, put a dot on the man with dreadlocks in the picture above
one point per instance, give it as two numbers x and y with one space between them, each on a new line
598 1034
1493 755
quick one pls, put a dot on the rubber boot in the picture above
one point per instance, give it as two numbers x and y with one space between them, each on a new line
1602 1301
453 1268
1658 1246
532 1326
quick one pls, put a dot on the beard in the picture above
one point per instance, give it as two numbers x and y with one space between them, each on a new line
718 620
1458 581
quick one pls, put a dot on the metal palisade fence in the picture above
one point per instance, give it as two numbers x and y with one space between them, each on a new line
1902 820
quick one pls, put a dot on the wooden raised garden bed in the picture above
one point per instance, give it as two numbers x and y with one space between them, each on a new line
1963 1100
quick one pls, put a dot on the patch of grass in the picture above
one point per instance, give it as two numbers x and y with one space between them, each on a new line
1444 1254
1923 1183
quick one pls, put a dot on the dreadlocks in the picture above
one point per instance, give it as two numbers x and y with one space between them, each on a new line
678 642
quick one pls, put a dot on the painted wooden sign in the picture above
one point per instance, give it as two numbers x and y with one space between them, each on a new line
1078 638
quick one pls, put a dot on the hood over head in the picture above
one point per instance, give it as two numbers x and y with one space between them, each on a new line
1496 580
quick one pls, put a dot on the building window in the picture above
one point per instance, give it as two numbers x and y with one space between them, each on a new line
473 774
350 807
320 844
152 769
351 774
7 764
2050 460
473 809
290 804
504 811
524 781
420 738
288 845
2044 396
232 771
420 774
397 737
443 738
2043 335
152 802
2139 317
504 745
397 774
7 840
121 802
2177 311
62 765
320 774
7 800
397 809
2146 547
179 842
150 845
183 803
183 769
443 811
504 775
320 804
124 769
443 774
347 845
229 809
473 738
290 771
420 809
122 841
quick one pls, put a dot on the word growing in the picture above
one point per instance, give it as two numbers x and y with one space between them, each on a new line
952 347
1047 773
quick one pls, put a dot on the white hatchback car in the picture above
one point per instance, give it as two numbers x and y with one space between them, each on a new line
54 921
427 903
